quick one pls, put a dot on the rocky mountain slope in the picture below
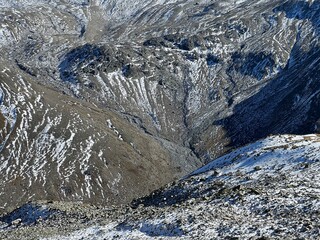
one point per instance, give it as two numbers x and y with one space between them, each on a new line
105 101
265 190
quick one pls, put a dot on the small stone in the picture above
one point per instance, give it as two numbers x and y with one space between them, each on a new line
257 168
16 222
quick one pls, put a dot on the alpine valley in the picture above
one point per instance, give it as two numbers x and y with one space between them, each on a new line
157 119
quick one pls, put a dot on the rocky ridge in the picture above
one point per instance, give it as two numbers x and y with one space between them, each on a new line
265 190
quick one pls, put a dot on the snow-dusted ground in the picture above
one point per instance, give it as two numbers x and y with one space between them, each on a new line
207 64
268 189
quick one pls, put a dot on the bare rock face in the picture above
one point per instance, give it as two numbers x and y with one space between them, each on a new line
105 101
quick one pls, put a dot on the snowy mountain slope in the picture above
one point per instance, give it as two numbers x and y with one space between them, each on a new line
198 76
59 148
265 190
179 66
97 96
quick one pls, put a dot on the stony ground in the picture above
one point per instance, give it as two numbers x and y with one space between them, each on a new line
105 101
266 190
